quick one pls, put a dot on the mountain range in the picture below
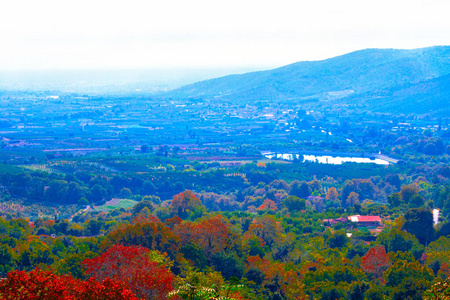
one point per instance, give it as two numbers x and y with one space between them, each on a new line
384 80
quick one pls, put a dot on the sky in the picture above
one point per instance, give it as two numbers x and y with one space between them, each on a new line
98 34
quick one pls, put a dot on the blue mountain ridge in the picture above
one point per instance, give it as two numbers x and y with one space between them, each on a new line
392 75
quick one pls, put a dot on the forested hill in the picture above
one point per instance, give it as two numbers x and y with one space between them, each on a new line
425 97
357 72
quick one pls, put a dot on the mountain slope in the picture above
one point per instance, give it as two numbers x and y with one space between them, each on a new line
430 96
361 71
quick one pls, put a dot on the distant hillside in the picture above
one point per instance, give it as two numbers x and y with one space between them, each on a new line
430 96
360 72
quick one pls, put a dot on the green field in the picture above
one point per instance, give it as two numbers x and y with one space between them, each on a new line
116 203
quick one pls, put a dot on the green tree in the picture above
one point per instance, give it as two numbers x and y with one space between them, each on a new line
352 199
61 227
416 201
140 205
57 191
94 226
407 191
228 264
338 239
300 189
75 192
402 271
71 264
148 188
6 262
125 193
419 222
375 293
398 240
294 203
98 193
194 254
395 200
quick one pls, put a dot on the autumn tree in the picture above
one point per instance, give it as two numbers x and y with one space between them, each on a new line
38 284
276 278
352 199
109 289
440 290
268 205
438 253
332 195
267 229
376 261
184 203
213 235
145 277
149 232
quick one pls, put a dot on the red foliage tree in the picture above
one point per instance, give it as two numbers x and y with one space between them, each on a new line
268 205
39 284
91 289
289 280
132 265
211 234
36 284
172 222
376 261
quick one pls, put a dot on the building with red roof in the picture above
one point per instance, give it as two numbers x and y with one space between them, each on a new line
366 221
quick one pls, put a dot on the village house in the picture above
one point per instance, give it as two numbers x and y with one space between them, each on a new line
366 221
356 221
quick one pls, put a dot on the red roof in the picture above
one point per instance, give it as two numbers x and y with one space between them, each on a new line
365 219
369 219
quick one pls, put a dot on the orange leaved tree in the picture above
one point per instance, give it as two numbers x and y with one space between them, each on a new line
376 261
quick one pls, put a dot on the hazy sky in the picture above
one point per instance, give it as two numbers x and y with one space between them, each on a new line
47 34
